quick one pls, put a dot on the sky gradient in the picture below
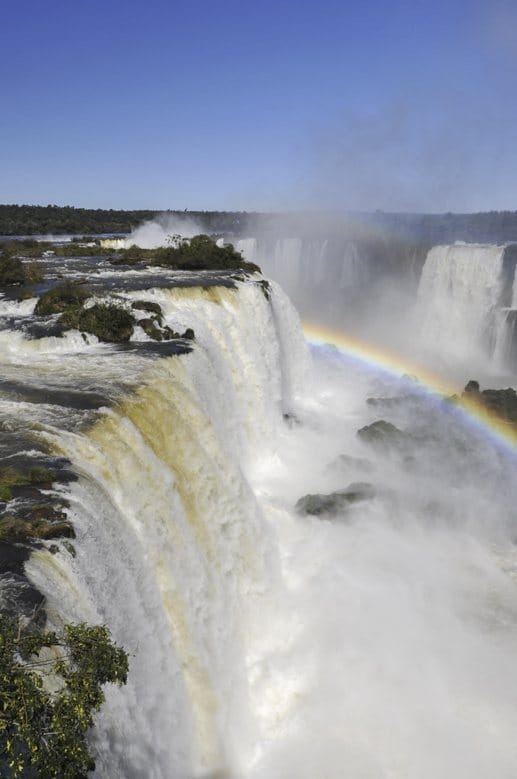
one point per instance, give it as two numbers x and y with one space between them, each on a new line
260 105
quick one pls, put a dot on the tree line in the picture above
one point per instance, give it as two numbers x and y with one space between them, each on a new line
52 219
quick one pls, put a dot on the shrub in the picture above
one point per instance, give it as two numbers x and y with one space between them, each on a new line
107 321
61 298
11 270
43 729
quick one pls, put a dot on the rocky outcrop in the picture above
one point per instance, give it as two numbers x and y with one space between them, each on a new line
335 503
382 433
502 402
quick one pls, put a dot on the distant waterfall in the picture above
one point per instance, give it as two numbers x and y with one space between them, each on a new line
463 291
309 268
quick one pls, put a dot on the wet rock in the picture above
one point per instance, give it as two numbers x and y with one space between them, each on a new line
147 305
382 433
335 502
502 402
471 387
70 548
150 329
15 528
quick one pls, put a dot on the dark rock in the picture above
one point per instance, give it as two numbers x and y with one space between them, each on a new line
502 402
146 305
381 433
471 387
150 329
335 502
70 548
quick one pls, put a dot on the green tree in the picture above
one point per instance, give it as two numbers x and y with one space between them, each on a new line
50 687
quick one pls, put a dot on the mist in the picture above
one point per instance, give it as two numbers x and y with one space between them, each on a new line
393 654
160 231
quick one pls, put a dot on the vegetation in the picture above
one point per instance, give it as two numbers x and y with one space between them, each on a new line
50 687
43 220
61 298
198 253
33 520
13 477
109 322
11 271
14 271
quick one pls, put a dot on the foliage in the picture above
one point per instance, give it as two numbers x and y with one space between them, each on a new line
43 220
60 298
11 270
43 729
107 321
198 253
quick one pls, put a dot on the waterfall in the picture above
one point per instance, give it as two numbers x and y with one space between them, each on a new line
266 643
462 290
172 550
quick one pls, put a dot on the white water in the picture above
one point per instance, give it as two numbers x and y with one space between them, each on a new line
264 644
459 299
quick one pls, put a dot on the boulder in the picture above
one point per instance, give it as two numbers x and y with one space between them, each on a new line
382 433
335 502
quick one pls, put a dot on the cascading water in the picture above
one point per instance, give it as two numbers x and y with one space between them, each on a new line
462 290
310 267
267 643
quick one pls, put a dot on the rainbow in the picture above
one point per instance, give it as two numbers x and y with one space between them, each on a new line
470 412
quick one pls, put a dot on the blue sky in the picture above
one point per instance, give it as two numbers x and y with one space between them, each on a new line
260 105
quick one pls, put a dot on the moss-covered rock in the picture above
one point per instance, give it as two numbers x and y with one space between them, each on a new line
107 321
17 529
62 298
150 328
147 305
11 478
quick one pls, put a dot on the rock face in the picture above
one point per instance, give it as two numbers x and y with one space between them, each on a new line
335 502
381 433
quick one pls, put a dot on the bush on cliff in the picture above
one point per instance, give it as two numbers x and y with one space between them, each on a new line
50 687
